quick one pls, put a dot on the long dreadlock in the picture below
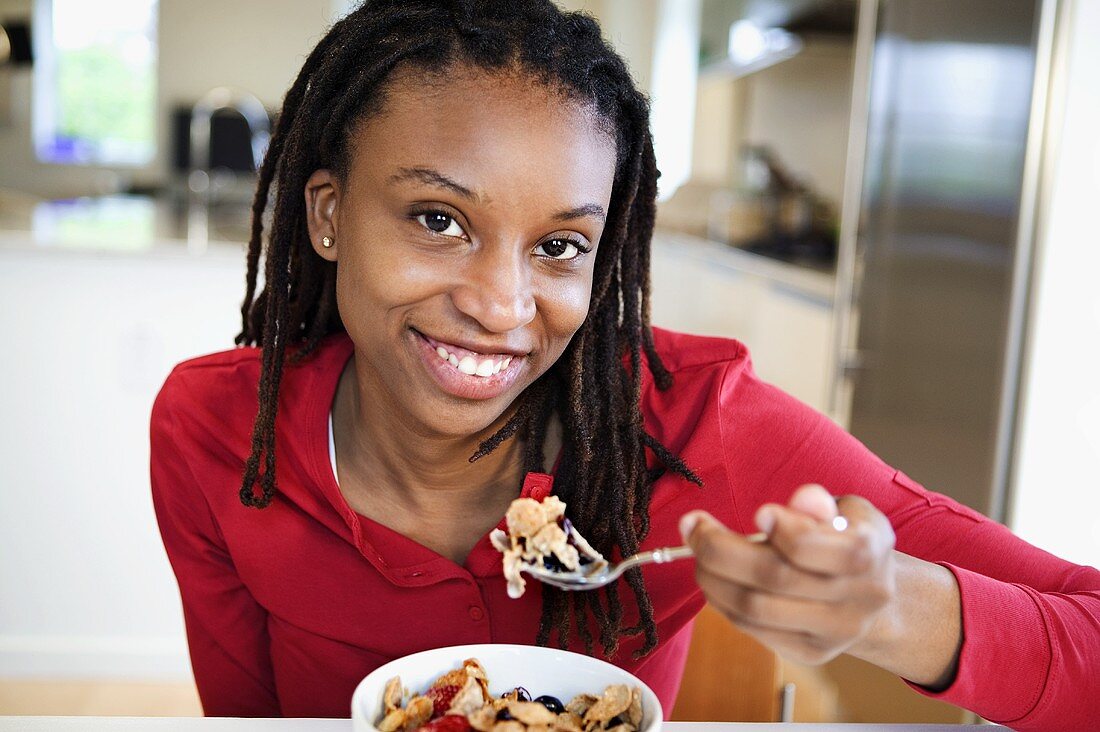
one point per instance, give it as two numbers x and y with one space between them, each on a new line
595 387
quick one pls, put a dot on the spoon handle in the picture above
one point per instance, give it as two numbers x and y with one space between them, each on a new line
656 556
670 554
666 554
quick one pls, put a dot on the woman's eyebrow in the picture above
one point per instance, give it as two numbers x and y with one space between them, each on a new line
588 209
435 178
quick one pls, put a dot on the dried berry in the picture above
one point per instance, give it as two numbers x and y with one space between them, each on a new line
441 697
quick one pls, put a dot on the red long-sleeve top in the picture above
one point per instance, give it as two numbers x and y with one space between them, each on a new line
287 608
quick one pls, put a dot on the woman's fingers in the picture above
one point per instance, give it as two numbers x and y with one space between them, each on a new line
798 646
829 619
727 557
814 501
815 587
866 537
802 558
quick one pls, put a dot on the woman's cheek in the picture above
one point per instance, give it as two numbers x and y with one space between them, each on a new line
572 303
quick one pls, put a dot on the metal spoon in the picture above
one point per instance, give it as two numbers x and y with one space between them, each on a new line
602 573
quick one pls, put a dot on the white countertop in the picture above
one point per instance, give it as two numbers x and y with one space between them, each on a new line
817 283
123 225
225 724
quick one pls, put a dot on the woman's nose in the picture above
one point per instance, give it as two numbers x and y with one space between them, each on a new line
496 290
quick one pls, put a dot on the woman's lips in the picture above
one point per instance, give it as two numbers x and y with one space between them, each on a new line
465 373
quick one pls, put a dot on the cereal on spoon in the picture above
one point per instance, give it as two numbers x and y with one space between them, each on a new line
459 701
539 535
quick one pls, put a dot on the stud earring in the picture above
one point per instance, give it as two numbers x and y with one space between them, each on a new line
327 242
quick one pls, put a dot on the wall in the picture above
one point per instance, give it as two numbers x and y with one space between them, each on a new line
203 44
718 129
1058 451
768 107
800 108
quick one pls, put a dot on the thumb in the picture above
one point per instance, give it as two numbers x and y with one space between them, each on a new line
694 524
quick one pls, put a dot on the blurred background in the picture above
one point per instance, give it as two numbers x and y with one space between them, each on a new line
892 202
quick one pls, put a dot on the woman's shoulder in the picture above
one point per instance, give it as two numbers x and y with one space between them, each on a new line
685 351
224 373
227 381
713 380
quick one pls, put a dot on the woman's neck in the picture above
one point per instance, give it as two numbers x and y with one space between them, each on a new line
377 448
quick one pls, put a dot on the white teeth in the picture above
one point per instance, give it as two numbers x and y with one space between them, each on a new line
468 365
471 366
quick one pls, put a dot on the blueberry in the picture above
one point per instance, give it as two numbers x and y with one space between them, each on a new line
552 703
504 715
553 564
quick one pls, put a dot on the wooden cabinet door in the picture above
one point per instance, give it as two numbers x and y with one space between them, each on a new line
729 676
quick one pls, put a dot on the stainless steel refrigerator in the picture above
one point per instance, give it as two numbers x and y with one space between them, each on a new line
936 230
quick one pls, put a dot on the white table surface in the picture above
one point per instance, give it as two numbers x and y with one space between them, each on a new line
225 724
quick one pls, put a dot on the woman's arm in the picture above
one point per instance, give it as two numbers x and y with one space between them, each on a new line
1023 653
1028 623
813 592
226 627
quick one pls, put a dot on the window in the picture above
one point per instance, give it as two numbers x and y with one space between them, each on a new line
95 81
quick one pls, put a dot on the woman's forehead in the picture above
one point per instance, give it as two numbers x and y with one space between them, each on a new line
496 131
462 91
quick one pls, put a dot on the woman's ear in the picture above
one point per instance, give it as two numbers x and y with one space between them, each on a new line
322 201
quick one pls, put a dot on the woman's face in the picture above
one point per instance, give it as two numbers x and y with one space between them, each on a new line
466 233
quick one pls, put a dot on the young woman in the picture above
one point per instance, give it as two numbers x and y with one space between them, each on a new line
454 314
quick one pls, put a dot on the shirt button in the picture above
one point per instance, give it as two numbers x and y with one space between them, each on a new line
476 613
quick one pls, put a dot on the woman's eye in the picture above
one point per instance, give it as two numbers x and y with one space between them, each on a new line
559 249
440 223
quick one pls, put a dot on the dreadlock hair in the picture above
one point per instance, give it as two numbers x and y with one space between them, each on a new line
595 386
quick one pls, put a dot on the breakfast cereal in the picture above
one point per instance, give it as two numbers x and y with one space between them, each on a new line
459 701
539 535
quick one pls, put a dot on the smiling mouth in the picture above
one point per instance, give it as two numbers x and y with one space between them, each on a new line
469 362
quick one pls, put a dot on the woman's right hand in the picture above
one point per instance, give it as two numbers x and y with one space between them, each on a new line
810 592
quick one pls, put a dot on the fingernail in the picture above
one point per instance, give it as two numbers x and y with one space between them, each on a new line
688 522
765 520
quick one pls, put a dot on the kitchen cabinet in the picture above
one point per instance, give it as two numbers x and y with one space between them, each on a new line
91 335
782 312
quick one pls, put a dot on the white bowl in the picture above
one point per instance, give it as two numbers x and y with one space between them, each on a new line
537 669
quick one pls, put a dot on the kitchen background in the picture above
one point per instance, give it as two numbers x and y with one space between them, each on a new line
892 202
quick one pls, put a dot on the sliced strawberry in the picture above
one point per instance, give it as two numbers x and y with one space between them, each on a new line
441 697
447 723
